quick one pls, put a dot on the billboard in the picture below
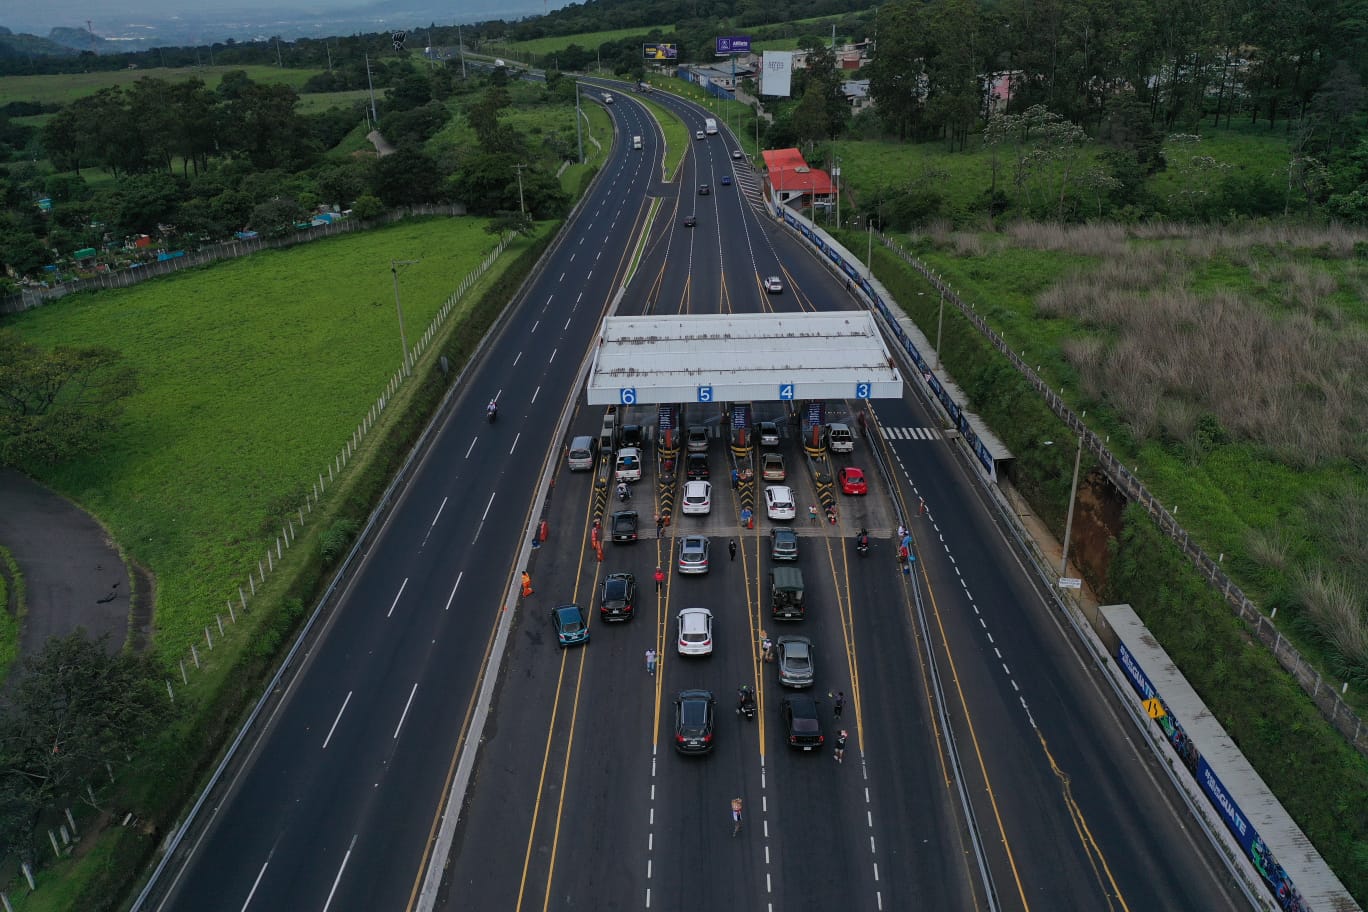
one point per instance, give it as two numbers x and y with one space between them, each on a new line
776 73
735 44
660 52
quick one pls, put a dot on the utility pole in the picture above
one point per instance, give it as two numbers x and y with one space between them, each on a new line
1068 522
403 340
521 207
940 316
460 49
869 251
579 128
280 63
375 119
837 175
328 47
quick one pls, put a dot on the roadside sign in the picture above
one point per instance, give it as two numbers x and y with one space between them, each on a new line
786 391
705 394
1070 582
735 44
1155 708
627 395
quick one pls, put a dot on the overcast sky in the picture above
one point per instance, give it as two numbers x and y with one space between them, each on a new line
18 15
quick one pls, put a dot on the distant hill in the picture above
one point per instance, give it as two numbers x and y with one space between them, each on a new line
21 45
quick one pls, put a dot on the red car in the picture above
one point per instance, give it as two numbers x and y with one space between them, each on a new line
852 481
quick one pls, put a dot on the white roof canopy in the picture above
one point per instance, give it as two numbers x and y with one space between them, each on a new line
741 358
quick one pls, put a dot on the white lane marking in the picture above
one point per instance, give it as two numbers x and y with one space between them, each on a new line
404 714
452 597
534 393
567 324
515 443
433 525
256 883
535 325
517 359
340 711
472 446
397 596
553 355
550 298
338 878
486 512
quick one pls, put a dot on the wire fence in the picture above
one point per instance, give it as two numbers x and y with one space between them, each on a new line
1324 694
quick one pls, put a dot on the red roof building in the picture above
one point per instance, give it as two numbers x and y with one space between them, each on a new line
791 178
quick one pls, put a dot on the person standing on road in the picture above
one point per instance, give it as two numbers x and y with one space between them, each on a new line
660 526
650 661
839 752
731 548
736 815
660 579
839 704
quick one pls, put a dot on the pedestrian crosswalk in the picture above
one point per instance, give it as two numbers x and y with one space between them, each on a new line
911 433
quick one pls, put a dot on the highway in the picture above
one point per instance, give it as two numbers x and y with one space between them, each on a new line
578 799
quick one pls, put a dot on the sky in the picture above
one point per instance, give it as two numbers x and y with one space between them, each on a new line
39 18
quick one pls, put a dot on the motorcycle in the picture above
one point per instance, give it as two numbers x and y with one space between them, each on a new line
624 493
862 543
745 703
493 414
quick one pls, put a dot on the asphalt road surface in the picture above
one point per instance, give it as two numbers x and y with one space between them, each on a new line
578 799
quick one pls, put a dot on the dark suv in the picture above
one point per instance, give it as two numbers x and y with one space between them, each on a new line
618 599
801 724
694 721
633 436
696 467
625 526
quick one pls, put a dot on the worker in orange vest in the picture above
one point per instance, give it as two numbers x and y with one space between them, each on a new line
526 584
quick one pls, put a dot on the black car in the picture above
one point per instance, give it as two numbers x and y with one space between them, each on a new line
801 724
617 602
690 221
704 189
696 467
694 719
633 436
625 526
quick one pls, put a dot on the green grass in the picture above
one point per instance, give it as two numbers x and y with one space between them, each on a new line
588 40
677 138
67 87
322 101
255 373
9 623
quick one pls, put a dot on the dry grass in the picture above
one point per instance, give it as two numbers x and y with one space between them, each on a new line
1099 240
1272 547
1337 610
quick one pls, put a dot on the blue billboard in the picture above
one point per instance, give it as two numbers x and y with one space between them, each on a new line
734 44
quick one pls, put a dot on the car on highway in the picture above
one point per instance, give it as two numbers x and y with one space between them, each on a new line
779 502
695 632
772 467
738 154
704 189
698 134
783 544
624 526
696 467
769 433
570 626
797 664
617 600
694 721
852 480
696 439
633 435
690 221
774 285
697 498
726 180
693 554
629 464
802 725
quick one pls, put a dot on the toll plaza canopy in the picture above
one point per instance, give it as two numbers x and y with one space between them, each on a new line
741 358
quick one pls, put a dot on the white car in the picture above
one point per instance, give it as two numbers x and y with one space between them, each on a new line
629 464
773 285
695 632
698 134
697 498
779 502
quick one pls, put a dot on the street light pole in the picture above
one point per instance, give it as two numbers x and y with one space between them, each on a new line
398 308
1068 522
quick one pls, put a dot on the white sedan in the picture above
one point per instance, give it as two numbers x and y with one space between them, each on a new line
695 631
697 498
779 502
774 285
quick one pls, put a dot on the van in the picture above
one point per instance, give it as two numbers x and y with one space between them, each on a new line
636 142
580 457
840 439
786 594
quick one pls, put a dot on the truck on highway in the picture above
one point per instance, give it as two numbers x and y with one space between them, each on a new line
786 594
710 126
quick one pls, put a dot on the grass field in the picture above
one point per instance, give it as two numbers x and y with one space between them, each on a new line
67 87
321 101
587 40
9 624
254 374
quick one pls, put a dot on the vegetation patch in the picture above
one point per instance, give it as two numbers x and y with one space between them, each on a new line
70 86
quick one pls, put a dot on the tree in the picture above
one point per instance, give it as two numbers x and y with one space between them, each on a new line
505 222
406 177
59 404
76 708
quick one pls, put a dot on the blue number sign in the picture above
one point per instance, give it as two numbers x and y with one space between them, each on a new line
705 394
863 390
627 395
786 391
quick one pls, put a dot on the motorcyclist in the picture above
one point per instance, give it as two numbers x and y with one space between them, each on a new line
862 541
745 699
623 492
492 409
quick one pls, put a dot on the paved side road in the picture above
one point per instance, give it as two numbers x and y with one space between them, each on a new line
70 565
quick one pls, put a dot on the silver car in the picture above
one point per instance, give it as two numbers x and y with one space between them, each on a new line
695 632
797 664
693 554
696 439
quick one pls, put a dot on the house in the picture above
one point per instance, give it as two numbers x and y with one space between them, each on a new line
791 179
856 92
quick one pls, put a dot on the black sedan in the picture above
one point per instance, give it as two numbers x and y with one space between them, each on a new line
625 526
801 723
618 599
694 719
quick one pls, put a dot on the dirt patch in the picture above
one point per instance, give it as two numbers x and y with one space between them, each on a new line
1098 520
